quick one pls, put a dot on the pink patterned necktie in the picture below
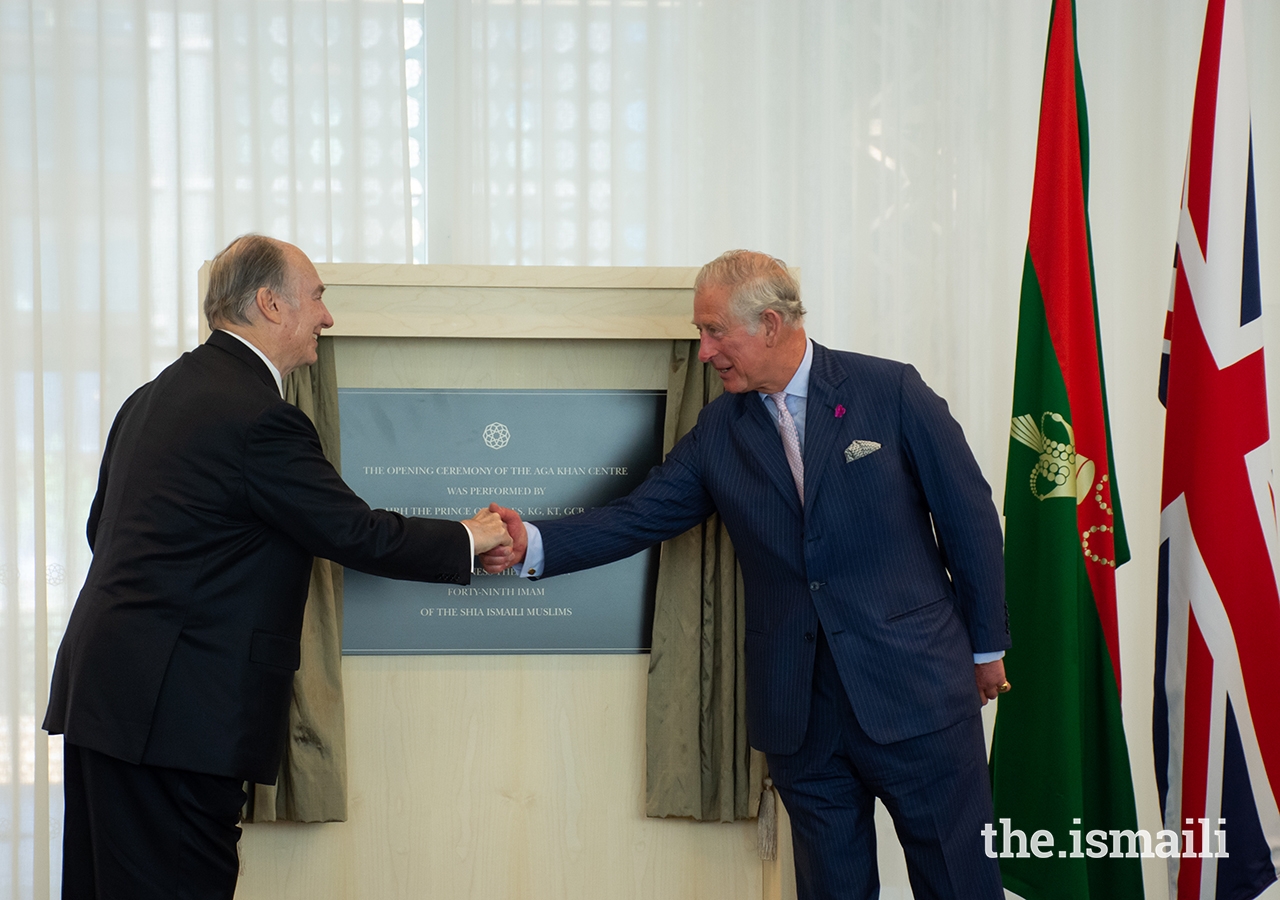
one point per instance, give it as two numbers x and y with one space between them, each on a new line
790 441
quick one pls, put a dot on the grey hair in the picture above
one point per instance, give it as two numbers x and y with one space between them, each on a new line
249 262
756 282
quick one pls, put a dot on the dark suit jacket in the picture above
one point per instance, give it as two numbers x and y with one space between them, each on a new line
213 498
898 554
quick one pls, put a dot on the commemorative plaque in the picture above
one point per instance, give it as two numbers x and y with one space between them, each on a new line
447 453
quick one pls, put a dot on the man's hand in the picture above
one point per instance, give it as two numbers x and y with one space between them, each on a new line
502 558
488 531
991 680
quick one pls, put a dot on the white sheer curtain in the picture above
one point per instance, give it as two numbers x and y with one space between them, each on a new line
884 146
137 138
887 148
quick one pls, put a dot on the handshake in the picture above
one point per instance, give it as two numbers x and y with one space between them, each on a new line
500 537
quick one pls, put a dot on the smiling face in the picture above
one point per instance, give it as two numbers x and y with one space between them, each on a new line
764 361
302 314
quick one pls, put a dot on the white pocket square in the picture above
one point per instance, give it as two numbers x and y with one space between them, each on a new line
859 449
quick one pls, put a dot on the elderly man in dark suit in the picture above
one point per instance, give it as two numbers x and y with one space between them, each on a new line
173 680
871 556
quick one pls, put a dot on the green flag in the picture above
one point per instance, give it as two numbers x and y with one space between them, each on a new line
1059 762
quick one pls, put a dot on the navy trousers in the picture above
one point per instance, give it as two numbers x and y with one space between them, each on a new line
134 832
935 786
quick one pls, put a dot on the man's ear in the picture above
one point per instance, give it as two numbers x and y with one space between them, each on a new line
771 325
268 303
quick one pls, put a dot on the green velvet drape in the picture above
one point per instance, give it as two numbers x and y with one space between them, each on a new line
312 785
698 762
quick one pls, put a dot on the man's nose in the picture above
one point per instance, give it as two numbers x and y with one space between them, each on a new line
327 321
705 350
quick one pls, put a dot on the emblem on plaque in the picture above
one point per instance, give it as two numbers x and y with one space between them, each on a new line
496 436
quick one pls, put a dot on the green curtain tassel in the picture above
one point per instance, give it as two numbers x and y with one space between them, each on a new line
767 822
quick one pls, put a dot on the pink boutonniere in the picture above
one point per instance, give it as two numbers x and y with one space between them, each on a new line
839 410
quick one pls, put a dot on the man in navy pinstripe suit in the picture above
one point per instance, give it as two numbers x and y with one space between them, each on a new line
871 556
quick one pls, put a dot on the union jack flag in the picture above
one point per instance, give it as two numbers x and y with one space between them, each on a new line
1217 677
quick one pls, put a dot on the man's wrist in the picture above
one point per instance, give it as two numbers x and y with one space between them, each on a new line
531 565
471 545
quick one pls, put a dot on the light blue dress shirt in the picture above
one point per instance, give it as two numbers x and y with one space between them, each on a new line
797 391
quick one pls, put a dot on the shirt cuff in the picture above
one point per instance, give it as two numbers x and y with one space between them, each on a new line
980 658
471 545
533 555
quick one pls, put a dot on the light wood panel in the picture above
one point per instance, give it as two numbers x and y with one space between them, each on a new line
499 777
590 302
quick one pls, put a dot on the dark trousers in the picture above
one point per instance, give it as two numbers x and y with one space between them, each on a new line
135 832
935 786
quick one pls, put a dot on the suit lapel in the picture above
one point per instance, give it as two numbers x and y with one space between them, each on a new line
821 425
758 432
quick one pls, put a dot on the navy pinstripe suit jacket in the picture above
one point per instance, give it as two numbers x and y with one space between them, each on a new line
897 554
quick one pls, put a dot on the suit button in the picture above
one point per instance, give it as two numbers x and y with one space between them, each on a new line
814 585
808 636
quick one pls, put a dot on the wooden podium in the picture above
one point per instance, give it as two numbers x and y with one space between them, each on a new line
503 776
